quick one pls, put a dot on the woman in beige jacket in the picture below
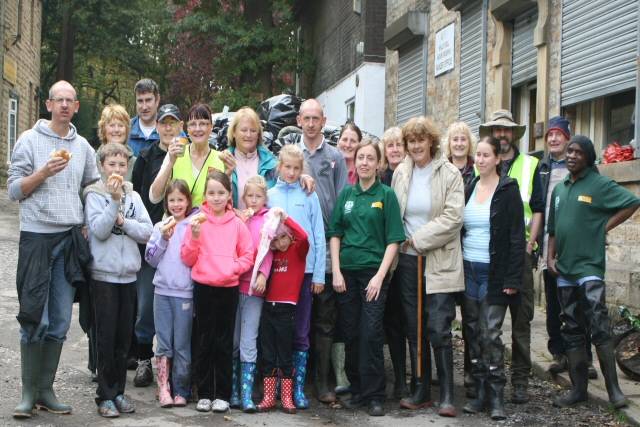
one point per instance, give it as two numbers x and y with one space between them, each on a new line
431 196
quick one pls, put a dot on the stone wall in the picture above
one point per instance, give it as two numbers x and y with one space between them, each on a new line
25 51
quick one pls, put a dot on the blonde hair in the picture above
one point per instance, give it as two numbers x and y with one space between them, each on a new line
291 151
392 134
258 182
454 129
422 128
109 113
244 113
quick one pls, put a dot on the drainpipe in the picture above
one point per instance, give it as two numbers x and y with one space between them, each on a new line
483 70
637 109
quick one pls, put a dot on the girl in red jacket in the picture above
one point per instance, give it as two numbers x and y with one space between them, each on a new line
218 248
277 324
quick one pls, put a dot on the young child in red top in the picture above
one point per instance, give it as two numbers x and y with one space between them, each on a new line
277 324
218 248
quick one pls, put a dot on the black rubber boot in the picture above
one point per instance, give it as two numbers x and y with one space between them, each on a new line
608 367
496 402
577 361
47 399
30 355
398 353
322 368
444 365
421 397
495 369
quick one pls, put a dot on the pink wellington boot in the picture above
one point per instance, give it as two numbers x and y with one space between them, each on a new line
164 391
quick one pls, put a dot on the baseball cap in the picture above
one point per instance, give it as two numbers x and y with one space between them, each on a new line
169 110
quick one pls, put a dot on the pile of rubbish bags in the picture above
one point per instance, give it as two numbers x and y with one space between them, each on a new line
278 117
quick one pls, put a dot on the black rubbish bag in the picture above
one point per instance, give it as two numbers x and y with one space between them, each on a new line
279 111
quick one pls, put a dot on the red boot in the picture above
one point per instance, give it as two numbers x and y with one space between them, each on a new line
268 394
286 396
164 391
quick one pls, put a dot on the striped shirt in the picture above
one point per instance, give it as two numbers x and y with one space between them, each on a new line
478 229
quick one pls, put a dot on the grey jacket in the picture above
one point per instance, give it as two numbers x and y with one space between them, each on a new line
54 206
116 257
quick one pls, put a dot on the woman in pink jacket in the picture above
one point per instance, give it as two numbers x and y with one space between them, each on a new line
219 249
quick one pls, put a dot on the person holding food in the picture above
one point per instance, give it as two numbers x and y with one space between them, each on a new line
191 162
50 164
117 222
172 305
218 248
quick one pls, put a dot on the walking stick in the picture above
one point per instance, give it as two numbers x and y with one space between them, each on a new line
419 317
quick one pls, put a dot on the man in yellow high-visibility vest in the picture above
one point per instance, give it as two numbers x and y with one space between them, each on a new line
524 169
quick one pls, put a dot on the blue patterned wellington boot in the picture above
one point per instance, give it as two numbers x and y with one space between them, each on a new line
235 401
248 371
300 373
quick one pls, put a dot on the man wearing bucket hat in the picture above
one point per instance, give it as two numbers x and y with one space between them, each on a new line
553 169
524 169
594 205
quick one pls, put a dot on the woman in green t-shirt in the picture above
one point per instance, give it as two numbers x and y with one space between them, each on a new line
365 231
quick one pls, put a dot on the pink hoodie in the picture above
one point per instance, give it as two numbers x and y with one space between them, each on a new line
223 251
255 225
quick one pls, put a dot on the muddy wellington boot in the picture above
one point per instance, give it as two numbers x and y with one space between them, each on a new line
47 399
608 367
30 355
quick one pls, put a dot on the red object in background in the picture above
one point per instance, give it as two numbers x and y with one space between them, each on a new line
617 153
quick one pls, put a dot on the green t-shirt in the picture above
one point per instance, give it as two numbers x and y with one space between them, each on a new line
578 216
367 222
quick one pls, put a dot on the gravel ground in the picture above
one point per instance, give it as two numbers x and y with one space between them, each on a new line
74 386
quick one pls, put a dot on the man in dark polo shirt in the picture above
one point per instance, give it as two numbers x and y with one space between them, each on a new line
584 207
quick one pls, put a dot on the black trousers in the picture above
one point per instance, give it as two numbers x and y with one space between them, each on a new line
521 310
277 328
215 317
325 311
363 333
556 344
584 312
114 306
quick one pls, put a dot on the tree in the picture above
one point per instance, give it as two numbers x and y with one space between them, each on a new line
103 48
242 51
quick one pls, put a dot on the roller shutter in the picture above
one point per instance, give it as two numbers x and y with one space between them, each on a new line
412 77
470 108
524 53
598 48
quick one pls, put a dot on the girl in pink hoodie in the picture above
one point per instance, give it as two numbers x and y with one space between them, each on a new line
250 302
218 250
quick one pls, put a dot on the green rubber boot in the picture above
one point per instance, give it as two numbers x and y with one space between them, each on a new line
47 399
30 355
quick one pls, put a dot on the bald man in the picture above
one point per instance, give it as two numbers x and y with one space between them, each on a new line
329 170
52 251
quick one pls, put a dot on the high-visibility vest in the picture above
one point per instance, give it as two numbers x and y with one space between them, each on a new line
523 169
182 169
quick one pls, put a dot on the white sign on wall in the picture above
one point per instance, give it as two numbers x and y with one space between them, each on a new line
445 49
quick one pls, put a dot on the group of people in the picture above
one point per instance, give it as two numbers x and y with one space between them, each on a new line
244 265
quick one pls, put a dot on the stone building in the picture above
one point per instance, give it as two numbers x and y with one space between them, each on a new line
346 40
462 59
20 64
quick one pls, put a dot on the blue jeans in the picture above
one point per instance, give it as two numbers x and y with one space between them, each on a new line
245 335
144 321
476 280
56 315
174 318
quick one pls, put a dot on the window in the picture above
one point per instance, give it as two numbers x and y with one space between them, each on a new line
12 128
351 109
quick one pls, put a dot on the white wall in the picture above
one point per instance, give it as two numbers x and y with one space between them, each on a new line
369 97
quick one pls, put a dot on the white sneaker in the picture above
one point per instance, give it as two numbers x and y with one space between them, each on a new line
220 405
204 405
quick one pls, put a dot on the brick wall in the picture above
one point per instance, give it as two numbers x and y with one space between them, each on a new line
26 52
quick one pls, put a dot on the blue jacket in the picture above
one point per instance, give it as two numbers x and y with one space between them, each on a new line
137 140
267 168
305 210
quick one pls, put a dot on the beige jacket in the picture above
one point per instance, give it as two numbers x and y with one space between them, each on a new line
439 239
